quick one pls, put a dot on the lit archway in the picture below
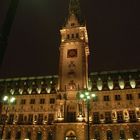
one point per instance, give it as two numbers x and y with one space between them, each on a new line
109 135
70 135
39 135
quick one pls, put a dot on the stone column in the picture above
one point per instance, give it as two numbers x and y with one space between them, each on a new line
137 111
33 133
23 133
13 133
102 133
102 117
128 132
44 133
116 132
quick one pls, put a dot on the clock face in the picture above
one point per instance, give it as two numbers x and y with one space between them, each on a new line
72 53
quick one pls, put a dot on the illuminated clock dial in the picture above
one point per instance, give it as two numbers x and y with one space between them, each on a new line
72 53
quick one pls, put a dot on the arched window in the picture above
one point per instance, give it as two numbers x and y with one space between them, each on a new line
135 134
122 135
18 135
8 134
39 135
50 135
28 134
109 135
97 135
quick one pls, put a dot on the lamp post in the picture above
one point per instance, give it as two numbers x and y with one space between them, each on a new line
8 100
87 96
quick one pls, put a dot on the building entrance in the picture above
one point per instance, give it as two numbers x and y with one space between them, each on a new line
70 135
70 138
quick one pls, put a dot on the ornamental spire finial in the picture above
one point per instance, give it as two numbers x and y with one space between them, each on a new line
74 8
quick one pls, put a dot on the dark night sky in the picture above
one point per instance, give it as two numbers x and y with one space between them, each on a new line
33 46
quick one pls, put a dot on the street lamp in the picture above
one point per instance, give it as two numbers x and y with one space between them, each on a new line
8 100
87 96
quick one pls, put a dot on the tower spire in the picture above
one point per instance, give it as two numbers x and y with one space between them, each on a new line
74 9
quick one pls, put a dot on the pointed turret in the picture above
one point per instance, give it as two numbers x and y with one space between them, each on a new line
74 13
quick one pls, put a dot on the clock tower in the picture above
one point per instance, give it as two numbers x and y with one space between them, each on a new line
74 51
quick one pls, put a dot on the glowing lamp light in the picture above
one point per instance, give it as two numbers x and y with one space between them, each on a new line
93 95
133 83
9 99
87 93
12 99
88 97
81 95
99 84
5 98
